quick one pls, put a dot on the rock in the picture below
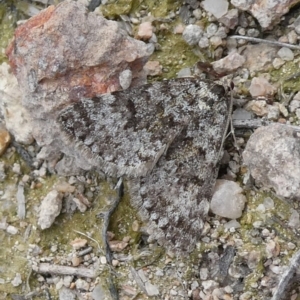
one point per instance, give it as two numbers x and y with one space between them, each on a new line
228 200
277 63
272 248
215 41
209 285
17 119
231 62
267 13
50 209
4 140
179 29
241 114
259 57
81 206
67 294
98 293
230 19
258 107
294 104
153 68
17 280
261 87
2 171
125 79
78 243
87 55
286 54
218 8
76 261
64 187
82 284
232 224
273 113
129 290
151 289
272 159
297 25
12 229
145 31
103 260
192 34
204 42
211 30
294 220
117 246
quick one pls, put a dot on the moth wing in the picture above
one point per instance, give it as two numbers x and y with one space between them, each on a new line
175 196
126 132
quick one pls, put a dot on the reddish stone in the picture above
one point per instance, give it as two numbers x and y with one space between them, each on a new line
63 54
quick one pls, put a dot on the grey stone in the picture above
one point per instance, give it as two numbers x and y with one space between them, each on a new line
66 294
192 34
272 158
286 54
228 200
50 209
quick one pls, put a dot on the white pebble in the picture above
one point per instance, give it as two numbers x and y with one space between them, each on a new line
286 54
103 260
12 230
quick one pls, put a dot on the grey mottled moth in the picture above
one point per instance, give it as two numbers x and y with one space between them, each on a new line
165 138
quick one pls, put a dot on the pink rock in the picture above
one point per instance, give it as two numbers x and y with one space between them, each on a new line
179 29
153 68
64 54
229 63
261 87
145 31
267 12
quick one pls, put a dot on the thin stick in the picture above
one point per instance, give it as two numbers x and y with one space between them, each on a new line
106 217
257 40
65 270
228 121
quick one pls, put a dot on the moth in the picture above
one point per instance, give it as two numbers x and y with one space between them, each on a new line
165 137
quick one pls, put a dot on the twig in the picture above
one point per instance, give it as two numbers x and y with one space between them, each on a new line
257 40
106 216
27 280
250 123
255 123
228 122
85 251
65 270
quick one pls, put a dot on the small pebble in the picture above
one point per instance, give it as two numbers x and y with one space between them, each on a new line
103 260
12 230
17 280
286 54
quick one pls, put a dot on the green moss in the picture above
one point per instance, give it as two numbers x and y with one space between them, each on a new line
115 8
8 20
288 76
122 219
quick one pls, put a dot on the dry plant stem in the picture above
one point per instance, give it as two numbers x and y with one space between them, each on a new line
228 122
250 123
106 216
255 123
65 270
257 40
